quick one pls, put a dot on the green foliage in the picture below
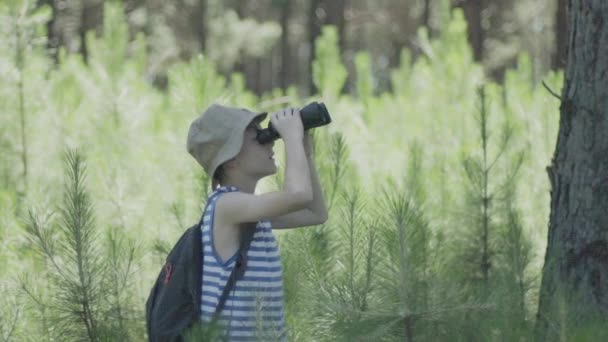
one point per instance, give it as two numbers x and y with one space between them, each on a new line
21 22
109 55
364 77
401 77
10 313
328 72
494 252
404 278
387 265
90 297
193 86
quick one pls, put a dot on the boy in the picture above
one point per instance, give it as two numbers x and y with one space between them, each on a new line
223 141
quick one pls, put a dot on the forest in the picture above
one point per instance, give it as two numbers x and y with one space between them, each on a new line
465 167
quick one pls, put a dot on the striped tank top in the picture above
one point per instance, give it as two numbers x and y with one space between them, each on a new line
254 308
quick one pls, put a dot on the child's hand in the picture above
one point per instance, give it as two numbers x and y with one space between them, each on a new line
288 123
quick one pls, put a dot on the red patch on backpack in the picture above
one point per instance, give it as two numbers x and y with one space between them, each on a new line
168 270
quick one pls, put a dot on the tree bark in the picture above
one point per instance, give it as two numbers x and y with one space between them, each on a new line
285 53
574 289
258 76
63 28
69 23
335 16
426 16
200 24
403 27
473 14
239 66
239 8
52 40
91 20
314 30
561 35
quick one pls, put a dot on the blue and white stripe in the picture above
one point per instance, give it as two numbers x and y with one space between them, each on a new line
254 309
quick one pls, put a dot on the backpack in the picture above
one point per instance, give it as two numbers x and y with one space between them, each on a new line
174 303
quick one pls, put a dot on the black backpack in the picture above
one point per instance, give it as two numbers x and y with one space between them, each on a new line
174 303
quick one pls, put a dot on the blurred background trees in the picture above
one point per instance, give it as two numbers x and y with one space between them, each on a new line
272 41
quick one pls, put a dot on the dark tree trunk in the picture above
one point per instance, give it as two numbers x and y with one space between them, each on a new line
285 53
314 30
561 35
239 8
52 37
257 76
200 24
187 22
91 20
473 14
154 16
403 26
70 20
574 289
426 16
64 26
335 16
239 65
324 12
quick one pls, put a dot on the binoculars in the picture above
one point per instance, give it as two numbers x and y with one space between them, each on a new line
314 114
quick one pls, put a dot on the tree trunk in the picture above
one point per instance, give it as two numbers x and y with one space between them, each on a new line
426 16
239 8
69 23
473 14
186 20
401 30
91 20
63 28
574 289
52 40
335 16
314 30
285 55
239 65
561 35
200 24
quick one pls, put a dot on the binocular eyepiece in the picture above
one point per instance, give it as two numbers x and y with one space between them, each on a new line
314 114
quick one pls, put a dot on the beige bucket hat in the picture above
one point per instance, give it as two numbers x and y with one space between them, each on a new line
216 136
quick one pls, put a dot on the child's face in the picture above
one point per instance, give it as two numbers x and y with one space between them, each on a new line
255 158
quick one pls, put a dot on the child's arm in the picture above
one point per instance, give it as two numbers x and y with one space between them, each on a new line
239 207
317 206
316 211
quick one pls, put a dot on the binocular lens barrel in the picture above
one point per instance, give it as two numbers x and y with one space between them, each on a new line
314 114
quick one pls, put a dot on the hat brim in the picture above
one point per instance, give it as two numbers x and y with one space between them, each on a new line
234 143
